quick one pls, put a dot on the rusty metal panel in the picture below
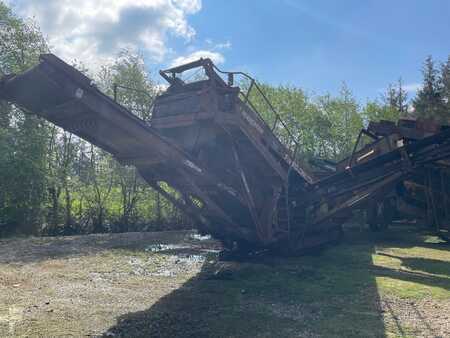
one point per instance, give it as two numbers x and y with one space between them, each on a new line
208 142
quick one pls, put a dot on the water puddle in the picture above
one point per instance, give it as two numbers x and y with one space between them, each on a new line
165 247
199 237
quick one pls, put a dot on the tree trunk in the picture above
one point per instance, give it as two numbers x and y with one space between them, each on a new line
158 208
68 221
54 195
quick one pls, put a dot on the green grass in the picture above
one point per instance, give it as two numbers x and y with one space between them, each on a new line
336 293
393 284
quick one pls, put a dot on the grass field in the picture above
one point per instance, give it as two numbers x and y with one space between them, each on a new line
395 284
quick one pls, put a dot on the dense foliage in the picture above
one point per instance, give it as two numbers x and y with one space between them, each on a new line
52 182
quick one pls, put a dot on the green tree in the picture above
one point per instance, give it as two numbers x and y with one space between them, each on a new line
325 126
23 137
392 105
136 91
345 121
396 98
428 102
134 87
445 88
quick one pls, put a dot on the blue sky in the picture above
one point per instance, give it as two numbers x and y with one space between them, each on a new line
319 44
312 44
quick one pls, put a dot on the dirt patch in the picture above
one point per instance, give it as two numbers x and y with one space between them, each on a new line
80 285
171 284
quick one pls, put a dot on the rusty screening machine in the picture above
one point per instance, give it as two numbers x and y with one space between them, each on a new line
207 150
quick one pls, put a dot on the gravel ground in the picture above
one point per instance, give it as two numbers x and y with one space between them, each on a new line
170 284
78 286
418 318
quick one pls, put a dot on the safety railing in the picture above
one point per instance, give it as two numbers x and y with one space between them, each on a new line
291 143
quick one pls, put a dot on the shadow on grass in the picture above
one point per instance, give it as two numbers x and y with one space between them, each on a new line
422 268
333 293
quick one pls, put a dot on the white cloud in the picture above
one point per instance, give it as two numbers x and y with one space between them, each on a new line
412 87
219 45
95 31
223 45
216 57
190 6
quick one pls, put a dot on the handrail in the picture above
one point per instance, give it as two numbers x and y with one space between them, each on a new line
208 64
116 86
254 84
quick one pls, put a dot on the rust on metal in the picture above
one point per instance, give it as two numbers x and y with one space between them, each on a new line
232 174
